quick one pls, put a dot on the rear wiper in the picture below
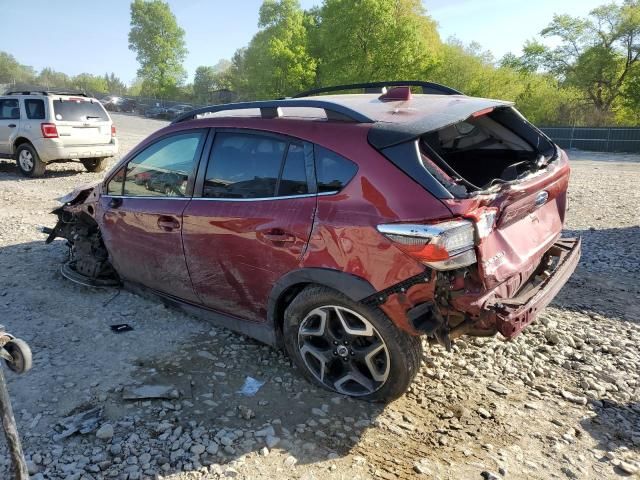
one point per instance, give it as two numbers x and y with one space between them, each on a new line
91 116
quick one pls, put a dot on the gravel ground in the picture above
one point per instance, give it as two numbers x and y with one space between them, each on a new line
560 401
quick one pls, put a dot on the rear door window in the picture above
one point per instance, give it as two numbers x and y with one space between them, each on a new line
293 180
333 171
9 109
78 110
244 166
34 108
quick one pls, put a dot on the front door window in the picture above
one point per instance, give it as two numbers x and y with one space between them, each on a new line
160 170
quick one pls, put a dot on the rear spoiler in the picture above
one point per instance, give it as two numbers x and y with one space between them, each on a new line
383 135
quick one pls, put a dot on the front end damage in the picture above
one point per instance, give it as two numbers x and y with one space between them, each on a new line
88 263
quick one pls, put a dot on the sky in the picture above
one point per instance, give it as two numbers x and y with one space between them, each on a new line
76 36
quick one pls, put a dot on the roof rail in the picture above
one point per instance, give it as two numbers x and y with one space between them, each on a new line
427 88
271 109
38 91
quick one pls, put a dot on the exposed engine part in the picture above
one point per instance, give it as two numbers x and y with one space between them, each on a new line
88 262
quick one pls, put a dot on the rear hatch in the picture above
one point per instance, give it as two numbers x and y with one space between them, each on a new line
510 180
81 121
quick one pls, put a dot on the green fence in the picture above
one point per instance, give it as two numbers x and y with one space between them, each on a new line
605 139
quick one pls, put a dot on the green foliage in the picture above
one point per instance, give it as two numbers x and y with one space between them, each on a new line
158 41
277 61
114 85
591 74
13 72
209 80
93 84
596 55
369 40
48 77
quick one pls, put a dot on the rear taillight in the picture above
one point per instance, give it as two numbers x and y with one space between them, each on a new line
442 246
49 130
113 131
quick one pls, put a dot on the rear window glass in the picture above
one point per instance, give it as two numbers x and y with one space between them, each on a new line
78 111
34 108
332 170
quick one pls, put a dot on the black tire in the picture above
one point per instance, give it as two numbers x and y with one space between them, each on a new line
29 162
21 354
95 164
404 350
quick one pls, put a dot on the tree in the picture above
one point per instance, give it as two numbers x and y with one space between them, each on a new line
11 71
114 85
49 78
159 44
597 55
276 62
87 82
208 80
369 40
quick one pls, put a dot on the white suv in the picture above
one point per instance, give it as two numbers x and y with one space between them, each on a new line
40 127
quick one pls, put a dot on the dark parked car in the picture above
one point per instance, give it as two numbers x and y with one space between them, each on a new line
178 110
173 184
157 112
119 104
341 227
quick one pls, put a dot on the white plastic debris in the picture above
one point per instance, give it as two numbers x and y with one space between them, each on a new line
251 387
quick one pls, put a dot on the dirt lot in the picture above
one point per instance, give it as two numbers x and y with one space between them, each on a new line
560 401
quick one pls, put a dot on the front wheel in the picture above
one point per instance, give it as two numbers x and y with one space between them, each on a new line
349 348
95 164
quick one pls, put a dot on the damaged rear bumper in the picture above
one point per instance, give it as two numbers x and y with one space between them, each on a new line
511 315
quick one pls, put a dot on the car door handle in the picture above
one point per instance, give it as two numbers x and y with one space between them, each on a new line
115 202
168 224
12 125
276 236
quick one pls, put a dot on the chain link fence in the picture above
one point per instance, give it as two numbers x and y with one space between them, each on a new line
603 139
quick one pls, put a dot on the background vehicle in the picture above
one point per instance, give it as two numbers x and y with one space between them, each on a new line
178 110
40 127
341 227
157 112
119 104
173 184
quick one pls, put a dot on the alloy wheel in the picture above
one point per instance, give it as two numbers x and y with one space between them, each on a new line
25 158
343 350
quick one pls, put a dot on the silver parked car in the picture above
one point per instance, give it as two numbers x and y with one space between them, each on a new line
40 127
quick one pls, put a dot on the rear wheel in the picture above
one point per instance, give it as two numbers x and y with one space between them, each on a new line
94 164
349 348
29 161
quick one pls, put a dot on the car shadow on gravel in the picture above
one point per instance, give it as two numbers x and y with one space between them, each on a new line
616 428
607 275
205 421
287 413
61 170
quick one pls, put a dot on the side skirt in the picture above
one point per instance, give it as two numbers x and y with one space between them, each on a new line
263 332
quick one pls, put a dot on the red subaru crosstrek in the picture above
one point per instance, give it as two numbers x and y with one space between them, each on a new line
342 227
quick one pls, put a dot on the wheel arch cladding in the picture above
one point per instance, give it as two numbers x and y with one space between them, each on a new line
292 283
19 141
